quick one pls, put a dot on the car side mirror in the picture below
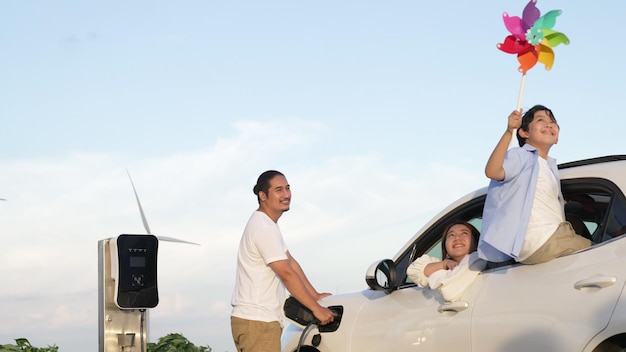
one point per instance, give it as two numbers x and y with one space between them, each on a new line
381 276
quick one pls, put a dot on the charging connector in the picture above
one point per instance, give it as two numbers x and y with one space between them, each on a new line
297 312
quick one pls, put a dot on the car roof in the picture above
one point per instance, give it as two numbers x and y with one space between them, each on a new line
598 160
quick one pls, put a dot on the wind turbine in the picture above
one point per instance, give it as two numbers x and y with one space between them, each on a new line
127 273
145 222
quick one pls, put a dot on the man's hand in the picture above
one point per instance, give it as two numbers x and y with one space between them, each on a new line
324 315
322 295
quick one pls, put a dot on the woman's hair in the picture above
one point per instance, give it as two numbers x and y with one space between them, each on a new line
475 235
263 182
528 117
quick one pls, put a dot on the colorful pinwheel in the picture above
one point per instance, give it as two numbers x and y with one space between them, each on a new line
532 37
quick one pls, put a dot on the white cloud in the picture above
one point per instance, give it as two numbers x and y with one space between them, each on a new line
346 212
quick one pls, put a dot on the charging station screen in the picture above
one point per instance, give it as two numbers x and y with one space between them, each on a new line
137 262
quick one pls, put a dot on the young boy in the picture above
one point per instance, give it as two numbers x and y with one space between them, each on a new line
524 218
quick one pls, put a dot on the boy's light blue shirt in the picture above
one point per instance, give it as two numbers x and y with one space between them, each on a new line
508 205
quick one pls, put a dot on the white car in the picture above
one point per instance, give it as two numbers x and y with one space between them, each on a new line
572 303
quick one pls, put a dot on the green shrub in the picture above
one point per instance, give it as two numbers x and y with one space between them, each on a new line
169 343
175 343
23 345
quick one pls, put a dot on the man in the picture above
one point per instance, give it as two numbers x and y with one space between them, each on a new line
264 269
524 218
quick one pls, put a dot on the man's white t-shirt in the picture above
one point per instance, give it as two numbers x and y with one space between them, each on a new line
259 293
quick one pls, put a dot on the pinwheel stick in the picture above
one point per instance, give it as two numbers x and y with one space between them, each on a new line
521 91
519 106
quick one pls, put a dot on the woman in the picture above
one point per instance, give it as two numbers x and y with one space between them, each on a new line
452 274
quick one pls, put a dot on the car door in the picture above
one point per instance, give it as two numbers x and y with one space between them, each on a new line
411 319
555 306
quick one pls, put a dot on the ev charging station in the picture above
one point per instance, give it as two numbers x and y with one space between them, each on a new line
134 271
127 288
127 275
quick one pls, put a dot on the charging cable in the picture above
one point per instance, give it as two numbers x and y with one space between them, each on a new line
305 332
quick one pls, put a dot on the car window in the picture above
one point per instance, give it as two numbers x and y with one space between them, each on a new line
595 207
430 241
616 223
435 251
597 203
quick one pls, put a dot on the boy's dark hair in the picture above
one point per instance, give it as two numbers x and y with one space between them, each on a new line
528 118
263 182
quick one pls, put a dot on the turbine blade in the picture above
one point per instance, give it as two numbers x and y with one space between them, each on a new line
172 239
143 216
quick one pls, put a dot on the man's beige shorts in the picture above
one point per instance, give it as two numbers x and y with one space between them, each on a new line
256 336
562 242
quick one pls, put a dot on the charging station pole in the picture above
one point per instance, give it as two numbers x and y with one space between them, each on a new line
124 328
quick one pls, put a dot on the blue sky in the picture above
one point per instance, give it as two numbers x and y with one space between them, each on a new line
379 114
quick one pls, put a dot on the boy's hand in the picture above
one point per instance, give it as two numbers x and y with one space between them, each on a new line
515 120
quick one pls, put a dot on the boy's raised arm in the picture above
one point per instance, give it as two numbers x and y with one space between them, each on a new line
494 169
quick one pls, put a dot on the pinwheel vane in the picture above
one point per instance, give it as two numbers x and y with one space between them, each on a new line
532 39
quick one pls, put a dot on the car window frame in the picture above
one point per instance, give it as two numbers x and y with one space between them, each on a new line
431 237
473 209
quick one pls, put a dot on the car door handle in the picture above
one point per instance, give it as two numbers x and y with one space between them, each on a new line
453 307
595 283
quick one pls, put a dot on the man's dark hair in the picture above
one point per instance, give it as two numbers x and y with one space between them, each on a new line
528 118
263 182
